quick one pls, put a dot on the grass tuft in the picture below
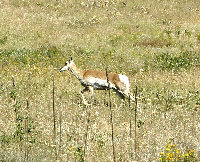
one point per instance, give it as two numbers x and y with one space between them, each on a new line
155 43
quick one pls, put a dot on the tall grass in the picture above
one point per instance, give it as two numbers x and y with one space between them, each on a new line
155 43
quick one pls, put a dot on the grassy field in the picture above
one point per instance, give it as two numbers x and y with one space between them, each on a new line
154 42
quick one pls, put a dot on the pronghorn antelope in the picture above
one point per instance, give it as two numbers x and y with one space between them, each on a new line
97 80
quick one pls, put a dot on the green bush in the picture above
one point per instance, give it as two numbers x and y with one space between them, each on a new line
170 61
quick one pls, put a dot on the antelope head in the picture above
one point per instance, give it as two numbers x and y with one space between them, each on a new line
67 65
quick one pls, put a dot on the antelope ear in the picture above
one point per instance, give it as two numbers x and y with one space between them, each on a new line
70 58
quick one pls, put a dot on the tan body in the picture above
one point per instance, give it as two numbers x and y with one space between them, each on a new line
97 80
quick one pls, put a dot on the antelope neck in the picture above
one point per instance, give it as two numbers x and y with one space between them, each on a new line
78 73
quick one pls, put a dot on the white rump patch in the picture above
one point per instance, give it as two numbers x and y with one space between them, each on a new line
124 79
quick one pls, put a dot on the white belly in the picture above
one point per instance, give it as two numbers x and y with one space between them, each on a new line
97 83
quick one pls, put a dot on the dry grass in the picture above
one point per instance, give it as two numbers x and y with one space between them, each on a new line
125 36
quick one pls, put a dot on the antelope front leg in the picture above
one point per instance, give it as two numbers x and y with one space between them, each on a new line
89 88
91 92
84 90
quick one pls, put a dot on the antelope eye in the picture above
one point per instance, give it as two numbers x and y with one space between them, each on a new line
66 63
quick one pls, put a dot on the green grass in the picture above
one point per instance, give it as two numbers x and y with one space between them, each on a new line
155 43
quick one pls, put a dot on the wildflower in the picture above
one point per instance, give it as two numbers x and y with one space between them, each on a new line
162 153
191 152
171 155
185 155
71 148
168 155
